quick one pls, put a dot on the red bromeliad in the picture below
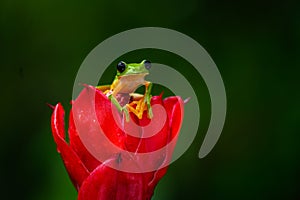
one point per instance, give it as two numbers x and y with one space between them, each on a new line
97 180
118 169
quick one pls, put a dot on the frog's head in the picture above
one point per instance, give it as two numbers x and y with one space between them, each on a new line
124 69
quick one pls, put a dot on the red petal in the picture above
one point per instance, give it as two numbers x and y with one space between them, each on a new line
110 184
73 164
174 108
93 128
76 144
158 139
159 129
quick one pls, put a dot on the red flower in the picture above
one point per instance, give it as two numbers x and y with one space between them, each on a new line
91 115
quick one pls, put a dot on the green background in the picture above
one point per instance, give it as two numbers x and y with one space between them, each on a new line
255 45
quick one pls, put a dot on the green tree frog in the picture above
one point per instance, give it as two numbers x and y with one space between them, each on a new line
128 78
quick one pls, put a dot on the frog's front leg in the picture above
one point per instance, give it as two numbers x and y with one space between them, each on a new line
148 96
119 107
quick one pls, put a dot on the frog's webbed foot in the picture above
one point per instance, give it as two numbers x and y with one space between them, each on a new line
143 103
139 109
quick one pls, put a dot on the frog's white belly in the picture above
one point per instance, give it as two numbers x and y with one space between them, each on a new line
130 83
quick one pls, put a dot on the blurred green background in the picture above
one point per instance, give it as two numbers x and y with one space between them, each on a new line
255 45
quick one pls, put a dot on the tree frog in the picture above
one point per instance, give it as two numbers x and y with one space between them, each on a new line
128 78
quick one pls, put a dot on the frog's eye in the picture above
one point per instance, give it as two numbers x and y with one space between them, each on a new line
121 66
147 64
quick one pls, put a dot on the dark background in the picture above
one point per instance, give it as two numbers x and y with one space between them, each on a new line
255 45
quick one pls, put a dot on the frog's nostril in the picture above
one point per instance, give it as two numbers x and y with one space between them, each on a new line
147 64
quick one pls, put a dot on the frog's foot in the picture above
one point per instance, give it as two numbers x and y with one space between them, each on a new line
104 88
141 106
107 93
